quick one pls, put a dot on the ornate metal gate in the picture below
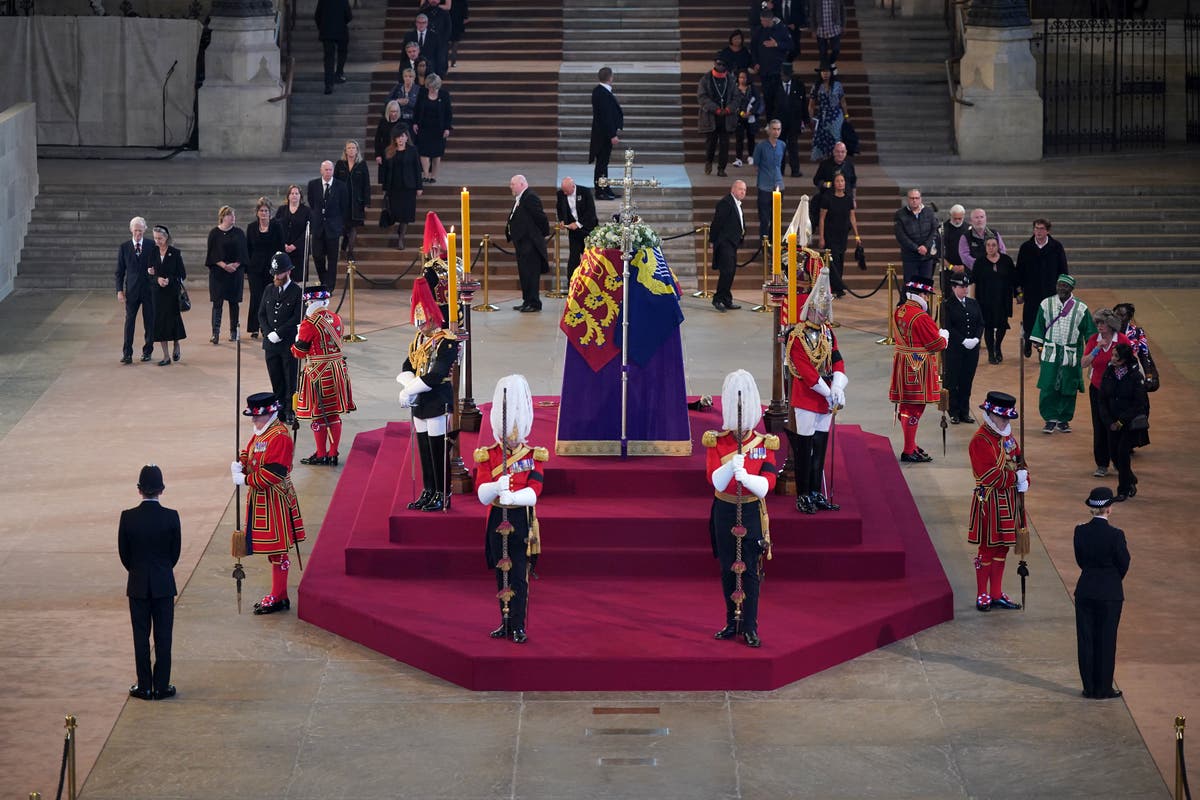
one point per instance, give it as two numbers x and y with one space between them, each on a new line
1103 84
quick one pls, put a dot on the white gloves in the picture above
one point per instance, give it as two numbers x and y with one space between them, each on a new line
488 492
404 377
837 394
408 395
738 460
274 337
521 497
722 475
945 334
1022 480
498 489
756 484
820 388
971 343
235 472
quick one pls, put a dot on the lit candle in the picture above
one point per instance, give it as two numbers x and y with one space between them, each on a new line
452 275
466 225
791 297
776 222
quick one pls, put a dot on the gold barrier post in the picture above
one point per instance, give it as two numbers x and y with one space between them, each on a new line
35 796
1180 778
352 336
70 725
485 306
890 339
704 292
556 290
765 306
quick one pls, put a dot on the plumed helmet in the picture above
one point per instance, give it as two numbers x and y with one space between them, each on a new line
740 383
512 390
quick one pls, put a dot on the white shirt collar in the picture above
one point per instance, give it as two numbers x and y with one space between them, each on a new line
607 86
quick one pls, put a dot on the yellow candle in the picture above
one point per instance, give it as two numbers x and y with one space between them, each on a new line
466 225
791 297
776 222
452 274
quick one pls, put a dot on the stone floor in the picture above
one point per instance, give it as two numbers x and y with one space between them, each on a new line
984 706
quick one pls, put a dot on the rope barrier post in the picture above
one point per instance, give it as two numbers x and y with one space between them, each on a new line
1181 782
485 306
352 336
557 290
35 796
890 277
765 306
70 724
703 292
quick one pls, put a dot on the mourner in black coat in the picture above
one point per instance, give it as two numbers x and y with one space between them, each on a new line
1040 261
527 229
580 219
149 541
434 44
134 289
607 122
726 232
1122 400
962 317
1103 558
329 200
788 103
333 28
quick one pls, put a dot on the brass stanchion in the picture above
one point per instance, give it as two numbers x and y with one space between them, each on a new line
704 292
776 417
469 416
352 336
765 306
556 290
890 339
1181 781
70 725
485 306
35 796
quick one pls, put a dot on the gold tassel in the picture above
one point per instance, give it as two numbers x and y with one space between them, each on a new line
237 544
1021 548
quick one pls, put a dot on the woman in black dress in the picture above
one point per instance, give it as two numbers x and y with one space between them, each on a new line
264 238
1122 399
226 261
433 120
736 55
293 218
837 220
402 182
169 275
352 170
383 134
995 278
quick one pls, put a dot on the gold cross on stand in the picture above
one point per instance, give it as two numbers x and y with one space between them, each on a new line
628 182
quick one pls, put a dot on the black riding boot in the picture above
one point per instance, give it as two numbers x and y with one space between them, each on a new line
427 485
816 491
441 497
802 447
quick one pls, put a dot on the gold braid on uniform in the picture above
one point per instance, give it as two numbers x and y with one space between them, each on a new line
423 349
819 348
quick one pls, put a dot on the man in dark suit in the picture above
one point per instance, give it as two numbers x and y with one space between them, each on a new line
329 200
148 541
333 28
607 122
576 210
726 232
790 106
963 318
434 43
279 317
527 229
134 289
1103 557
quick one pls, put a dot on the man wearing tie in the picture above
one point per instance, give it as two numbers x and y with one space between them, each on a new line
329 200
433 44
607 121
577 211
790 106
134 275
527 229
727 230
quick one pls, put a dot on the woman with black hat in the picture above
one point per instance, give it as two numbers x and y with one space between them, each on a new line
827 107
169 275
1103 558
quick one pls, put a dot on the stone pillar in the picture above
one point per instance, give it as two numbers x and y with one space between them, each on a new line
241 74
998 74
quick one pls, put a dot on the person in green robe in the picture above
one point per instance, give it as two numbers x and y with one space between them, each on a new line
1063 325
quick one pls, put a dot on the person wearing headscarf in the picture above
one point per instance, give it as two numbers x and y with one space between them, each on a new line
324 393
509 475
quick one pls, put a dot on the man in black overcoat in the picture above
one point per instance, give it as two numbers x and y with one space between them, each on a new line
279 317
527 229
963 318
607 122
726 232
333 28
789 104
576 209
148 541
134 289
433 43
1040 261
1103 557
329 199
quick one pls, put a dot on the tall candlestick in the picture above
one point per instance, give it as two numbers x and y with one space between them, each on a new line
791 296
452 274
466 225
776 223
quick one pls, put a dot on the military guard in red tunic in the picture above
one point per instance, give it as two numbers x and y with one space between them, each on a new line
324 393
915 381
997 513
740 462
429 392
508 477
818 391
273 522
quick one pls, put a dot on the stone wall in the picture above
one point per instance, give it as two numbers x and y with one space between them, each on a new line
18 185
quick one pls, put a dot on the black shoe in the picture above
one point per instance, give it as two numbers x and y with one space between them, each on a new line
1064 427
967 418
328 90
176 355
721 174
126 359
983 603
1003 602
732 306
420 502
315 460
437 501
804 504
1121 498
530 309
954 420
340 78
708 168
1028 349
1087 694
519 637
278 605
719 306
915 458
331 461
521 307
822 503
728 632
166 362
501 632
146 356
797 173
165 693
216 339
140 694
1111 694
752 640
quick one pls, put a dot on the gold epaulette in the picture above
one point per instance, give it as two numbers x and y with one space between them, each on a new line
541 454
771 441
481 454
710 438
448 335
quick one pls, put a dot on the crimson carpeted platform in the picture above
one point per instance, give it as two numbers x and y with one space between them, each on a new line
628 596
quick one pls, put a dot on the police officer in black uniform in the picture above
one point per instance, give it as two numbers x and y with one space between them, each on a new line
962 316
279 318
